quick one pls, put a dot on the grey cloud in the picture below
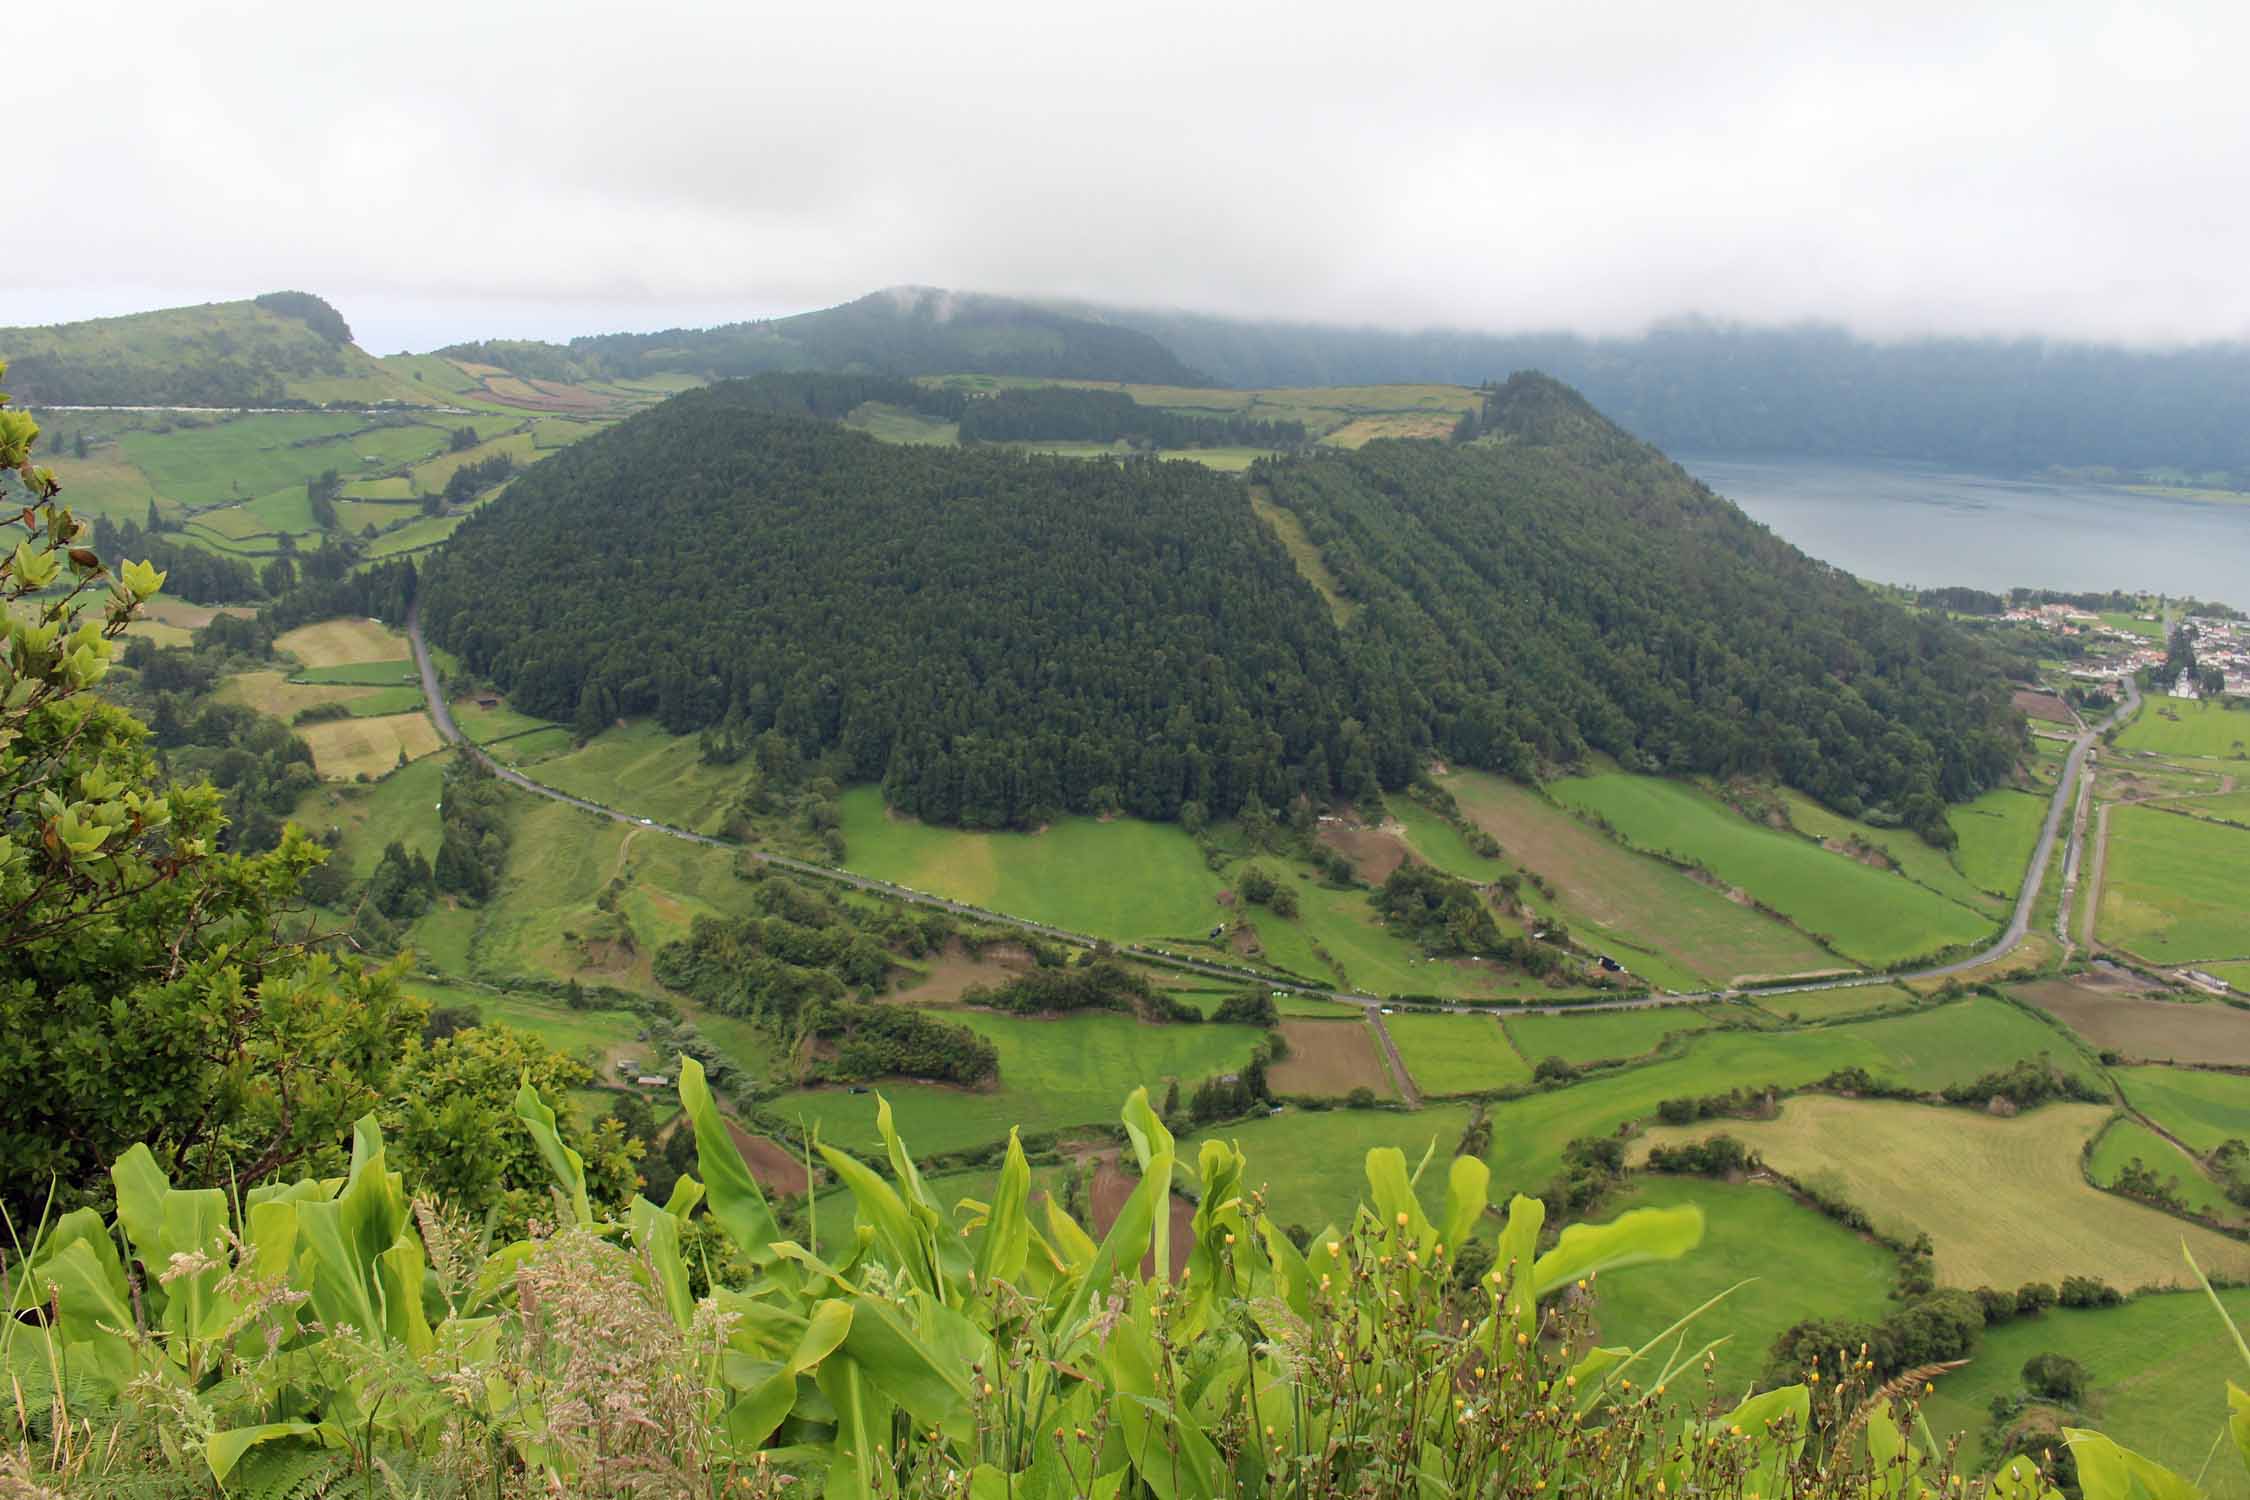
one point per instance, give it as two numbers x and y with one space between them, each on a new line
543 169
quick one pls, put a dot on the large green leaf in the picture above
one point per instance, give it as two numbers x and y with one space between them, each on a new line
2107 1471
1512 1263
1644 1234
1154 1152
224 1450
565 1165
753 1418
737 1205
656 1234
1468 1187
1007 1232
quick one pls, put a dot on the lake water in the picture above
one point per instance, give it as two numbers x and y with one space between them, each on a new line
1911 524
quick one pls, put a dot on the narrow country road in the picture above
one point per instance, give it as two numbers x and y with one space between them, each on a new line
1407 1092
442 716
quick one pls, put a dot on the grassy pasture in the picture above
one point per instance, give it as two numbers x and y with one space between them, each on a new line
1313 1163
1457 1054
335 643
415 535
1599 1036
1328 1058
357 516
1311 565
591 1036
2127 1139
2144 1026
2236 974
1072 1071
1371 957
484 725
1125 879
1441 844
364 674
2228 807
1998 832
1225 460
1701 936
396 487
1930 1048
899 424
2202 727
2155 1366
1827 1005
241 456
344 749
2004 1201
271 693
643 770
522 749
431 475
1874 916
2203 1109
1800 1264
402 806
103 483
2172 887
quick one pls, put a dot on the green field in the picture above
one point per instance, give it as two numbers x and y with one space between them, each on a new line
1800 1264
2201 727
1073 1071
898 424
642 770
2005 1201
2158 1365
415 535
522 749
1666 927
1370 958
484 725
240 457
1456 1054
591 1036
432 475
2127 1139
363 673
2230 807
1125 880
2173 887
1828 1005
1930 1048
1917 861
402 806
1599 1036
1313 1163
2202 1109
1443 845
1998 832
1876 917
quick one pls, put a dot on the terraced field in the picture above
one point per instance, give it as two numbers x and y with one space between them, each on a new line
2205 1110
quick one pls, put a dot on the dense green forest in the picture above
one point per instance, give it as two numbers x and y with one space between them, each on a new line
1000 638
901 331
2011 405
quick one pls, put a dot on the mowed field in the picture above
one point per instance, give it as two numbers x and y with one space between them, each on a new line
1457 1054
2003 1200
2173 726
1329 1058
2173 888
1799 1264
2138 1026
346 749
1919 862
2203 1109
641 769
2158 1368
1930 1048
1601 1036
1639 904
1872 915
332 643
1125 880
2127 1140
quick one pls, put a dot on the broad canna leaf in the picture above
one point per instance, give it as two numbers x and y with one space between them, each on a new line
752 1419
1644 1234
1468 1187
565 1165
737 1205
223 1450
1007 1232
2107 1471
1512 1262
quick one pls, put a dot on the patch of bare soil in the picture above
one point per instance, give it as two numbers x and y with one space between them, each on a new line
2043 706
1374 852
953 971
2135 1026
774 1167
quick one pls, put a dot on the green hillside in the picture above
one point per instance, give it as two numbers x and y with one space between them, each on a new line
283 348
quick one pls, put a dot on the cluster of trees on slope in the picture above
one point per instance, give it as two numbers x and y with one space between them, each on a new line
794 967
1000 638
1564 588
904 331
2013 405
221 354
1074 414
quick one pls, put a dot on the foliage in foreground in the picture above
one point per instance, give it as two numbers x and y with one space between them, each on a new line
330 1330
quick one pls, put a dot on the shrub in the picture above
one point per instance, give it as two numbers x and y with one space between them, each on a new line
2055 1377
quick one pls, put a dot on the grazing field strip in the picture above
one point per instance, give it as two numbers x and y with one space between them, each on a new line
2172 887
1877 917
2203 1110
1602 1036
2004 1200
1609 891
1456 1054
2127 1140
1917 861
1312 1163
2171 726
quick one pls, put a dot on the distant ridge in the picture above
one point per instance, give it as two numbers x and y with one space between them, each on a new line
279 349
898 331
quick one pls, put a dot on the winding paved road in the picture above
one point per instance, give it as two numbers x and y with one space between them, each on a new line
2018 924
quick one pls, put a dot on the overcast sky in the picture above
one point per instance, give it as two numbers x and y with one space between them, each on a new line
542 169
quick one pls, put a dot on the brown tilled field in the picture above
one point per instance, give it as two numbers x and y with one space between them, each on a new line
1328 1059
2138 1027
2044 706
953 971
768 1162
1374 852
1112 1186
